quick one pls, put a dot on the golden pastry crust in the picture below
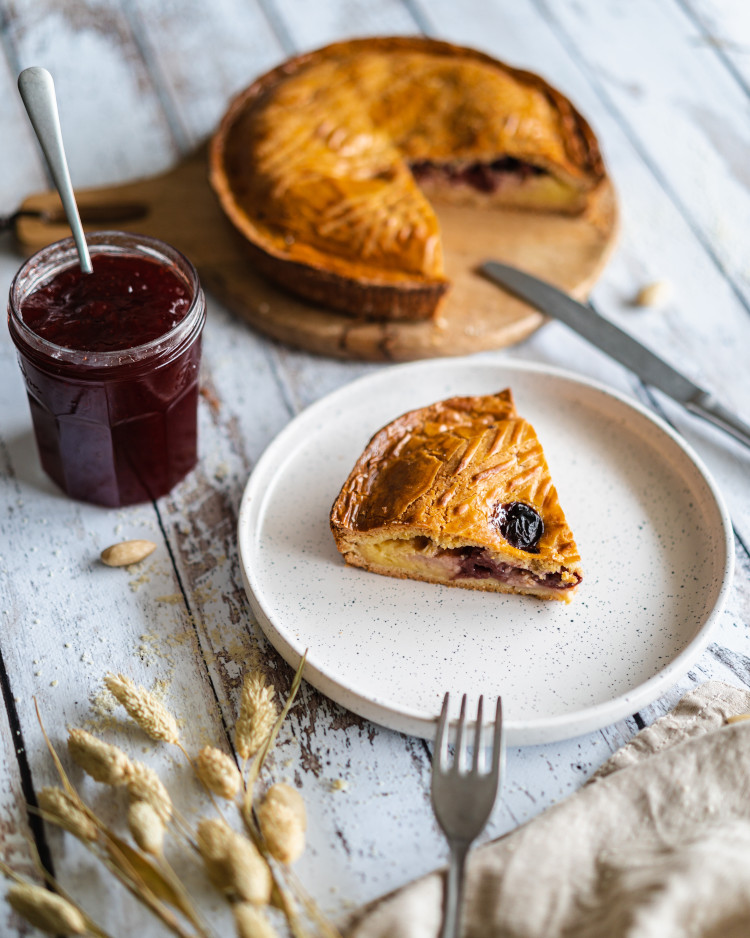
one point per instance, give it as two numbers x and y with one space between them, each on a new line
312 164
439 475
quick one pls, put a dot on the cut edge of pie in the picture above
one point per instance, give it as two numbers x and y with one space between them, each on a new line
288 191
440 494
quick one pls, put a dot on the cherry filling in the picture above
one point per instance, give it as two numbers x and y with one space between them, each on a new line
484 177
475 563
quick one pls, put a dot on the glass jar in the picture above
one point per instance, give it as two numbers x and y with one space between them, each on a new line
112 427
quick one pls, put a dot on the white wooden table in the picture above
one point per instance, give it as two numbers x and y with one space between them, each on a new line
665 84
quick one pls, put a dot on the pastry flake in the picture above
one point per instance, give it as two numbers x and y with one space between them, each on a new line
459 493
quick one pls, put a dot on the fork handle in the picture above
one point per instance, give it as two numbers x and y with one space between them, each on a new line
454 891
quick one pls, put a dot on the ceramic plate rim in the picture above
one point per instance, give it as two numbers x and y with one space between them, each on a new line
404 719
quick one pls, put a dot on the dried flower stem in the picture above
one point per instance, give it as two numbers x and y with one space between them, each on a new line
144 708
218 773
287 885
46 910
63 809
126 864
282 819
260 757
197 773
233 863
251 922
120 863
91 926
257 715
104 763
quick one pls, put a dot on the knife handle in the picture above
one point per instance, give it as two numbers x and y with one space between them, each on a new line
705 405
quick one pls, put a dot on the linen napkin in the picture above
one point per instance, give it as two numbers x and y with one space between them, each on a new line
655 845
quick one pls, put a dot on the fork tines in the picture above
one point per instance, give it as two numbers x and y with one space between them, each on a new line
439 757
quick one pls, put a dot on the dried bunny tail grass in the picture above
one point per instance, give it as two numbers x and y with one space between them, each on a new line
283 822
146 827
257 715
251 922
218 772
46 910
65 810
103 762
144 708
233 863
145 785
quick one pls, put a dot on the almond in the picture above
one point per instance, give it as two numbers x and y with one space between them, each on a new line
127 552
654 294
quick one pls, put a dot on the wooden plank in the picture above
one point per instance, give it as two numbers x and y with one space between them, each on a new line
21 170
725 25
680 84
21 161
16 833
101 82
313 25
201 56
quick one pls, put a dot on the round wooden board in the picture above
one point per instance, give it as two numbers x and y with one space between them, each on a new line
476 314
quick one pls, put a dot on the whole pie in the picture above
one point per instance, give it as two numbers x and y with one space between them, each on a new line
328 165
459 493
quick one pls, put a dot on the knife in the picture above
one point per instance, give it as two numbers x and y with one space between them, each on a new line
615 342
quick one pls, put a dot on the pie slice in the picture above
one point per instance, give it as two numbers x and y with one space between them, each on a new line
328 165
459 493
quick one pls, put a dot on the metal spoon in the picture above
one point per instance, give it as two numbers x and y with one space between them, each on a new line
38 94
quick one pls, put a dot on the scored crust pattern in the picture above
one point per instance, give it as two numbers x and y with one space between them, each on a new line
441 471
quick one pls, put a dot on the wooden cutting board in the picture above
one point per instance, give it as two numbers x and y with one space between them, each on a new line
180 208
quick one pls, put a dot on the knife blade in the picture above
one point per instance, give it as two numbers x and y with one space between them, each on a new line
617 343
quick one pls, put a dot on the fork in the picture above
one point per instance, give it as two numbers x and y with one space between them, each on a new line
462 799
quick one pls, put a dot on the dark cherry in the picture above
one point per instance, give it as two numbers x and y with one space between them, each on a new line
520 525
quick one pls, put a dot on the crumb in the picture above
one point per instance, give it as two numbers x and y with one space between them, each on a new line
339 784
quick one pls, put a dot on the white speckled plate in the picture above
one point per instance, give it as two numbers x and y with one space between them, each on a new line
650 524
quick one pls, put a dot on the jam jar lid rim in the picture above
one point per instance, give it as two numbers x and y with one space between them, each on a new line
110 357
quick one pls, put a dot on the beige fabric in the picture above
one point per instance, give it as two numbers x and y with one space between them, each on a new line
655 845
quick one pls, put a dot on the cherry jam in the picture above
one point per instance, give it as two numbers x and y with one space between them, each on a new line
127 301
111 364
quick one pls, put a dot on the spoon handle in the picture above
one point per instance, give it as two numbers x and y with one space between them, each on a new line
38 93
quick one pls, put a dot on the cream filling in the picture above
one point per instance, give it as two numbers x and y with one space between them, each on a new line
504 183
420 556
